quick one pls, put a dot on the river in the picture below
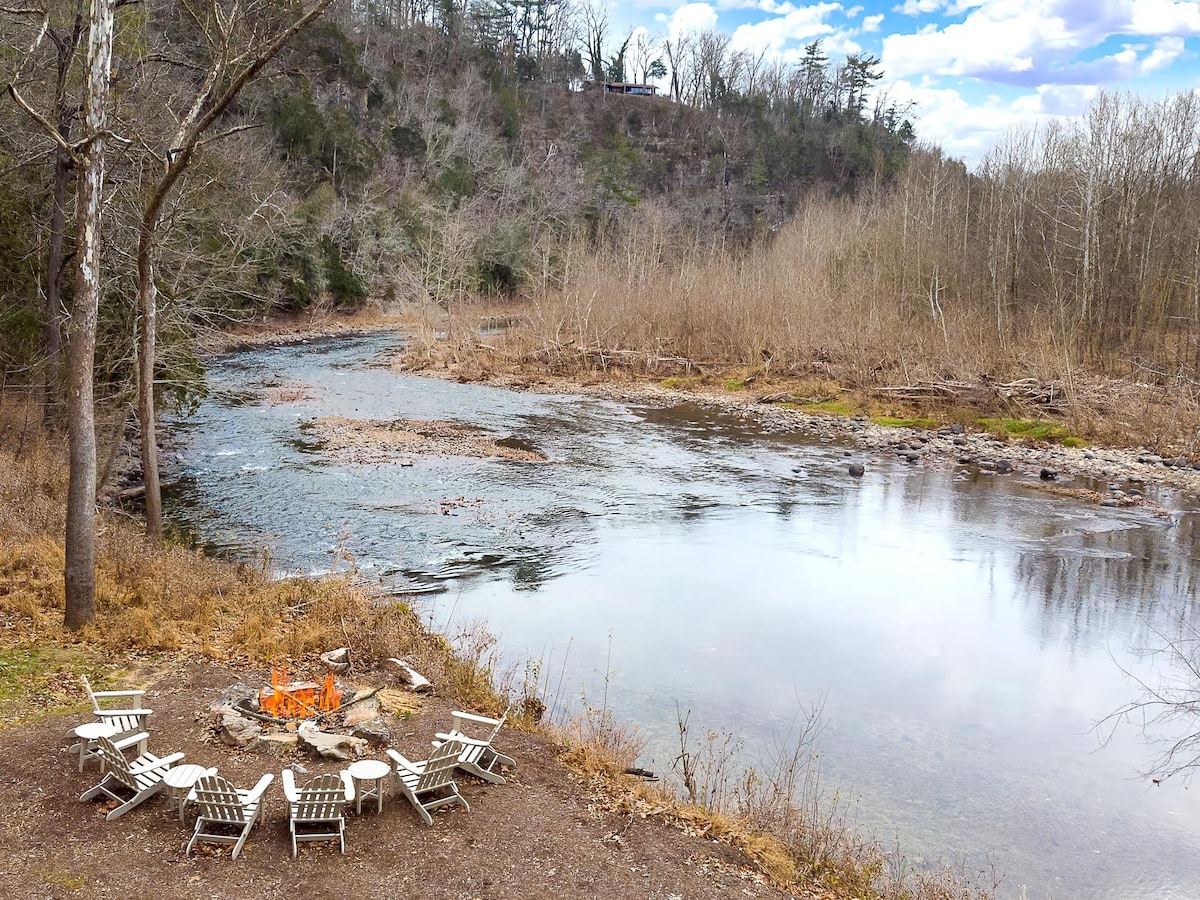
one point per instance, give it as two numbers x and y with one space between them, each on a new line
963 633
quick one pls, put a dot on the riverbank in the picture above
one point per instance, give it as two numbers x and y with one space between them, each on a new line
184 627
929 434
1010 441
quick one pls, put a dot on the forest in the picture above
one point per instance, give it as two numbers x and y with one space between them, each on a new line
232 160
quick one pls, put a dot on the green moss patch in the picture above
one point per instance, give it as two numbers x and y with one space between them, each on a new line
829 407
38 681
1030 429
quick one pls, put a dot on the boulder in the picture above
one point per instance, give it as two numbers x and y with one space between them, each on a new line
856 470
238 693
374 731
276 743
339 747
363 711
238 731
337 660
1004 466
1048 474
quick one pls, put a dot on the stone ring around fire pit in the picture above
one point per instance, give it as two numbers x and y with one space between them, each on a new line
323 719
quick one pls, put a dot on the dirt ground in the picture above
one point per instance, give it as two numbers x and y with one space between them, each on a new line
543 834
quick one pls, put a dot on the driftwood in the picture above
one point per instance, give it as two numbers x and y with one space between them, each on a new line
1048 395
417 682
337 660
628 359
262 717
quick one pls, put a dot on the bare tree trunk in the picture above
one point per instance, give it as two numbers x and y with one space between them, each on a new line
147 354
55 257
223 81
52 319
80 570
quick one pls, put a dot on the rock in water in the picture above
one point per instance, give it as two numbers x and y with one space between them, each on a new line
1004 466
856 470
1048 474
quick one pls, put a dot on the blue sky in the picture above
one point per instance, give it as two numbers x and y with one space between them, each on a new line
974 68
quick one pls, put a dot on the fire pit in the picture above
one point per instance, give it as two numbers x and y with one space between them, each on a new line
286 699
323 718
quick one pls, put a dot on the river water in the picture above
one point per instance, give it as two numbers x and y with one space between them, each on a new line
963 633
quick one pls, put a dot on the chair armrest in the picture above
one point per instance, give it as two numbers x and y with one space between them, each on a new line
110 695
348 783
151 765
131 740
461 738
399 760
258 789
471 717
113 713
289 786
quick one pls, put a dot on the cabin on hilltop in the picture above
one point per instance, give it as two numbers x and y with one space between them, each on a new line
625 87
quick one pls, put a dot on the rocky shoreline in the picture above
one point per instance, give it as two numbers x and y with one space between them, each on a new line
1109 476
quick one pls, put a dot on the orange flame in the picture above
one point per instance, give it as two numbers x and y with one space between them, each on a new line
289 699
331 695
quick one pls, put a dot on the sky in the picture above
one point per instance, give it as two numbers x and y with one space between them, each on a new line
975 69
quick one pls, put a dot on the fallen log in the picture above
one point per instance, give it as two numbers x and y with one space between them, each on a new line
417 682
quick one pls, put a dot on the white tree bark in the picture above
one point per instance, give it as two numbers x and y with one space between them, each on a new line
80 569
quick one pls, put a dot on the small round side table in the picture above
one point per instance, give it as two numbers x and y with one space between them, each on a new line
373 772
89 733
179 781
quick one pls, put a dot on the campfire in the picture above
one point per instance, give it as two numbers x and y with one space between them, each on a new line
287 699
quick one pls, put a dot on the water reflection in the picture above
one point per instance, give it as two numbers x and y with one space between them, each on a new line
966 629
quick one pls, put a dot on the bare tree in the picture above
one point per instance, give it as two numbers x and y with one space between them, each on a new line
79 573
241 41
1167 712
595 31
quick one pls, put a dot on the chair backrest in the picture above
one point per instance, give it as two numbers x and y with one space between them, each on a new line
91 695
439 768
464 726
131 699
321 799
218 800
115 761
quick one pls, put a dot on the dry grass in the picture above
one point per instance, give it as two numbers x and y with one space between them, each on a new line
175 600
797 834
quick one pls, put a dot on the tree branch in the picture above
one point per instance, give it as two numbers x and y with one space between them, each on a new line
228 133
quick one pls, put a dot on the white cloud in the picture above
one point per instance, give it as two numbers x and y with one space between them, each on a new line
800 25
969 129
1165 17
1165 52
1027 42
853 12
871 23
919 7
689 19
1055 101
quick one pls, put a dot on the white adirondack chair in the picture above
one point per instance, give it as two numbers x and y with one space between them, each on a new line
226 814
478 757
129 718
316 812
424 783
143 777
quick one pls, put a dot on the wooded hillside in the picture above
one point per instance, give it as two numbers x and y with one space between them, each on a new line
404 152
